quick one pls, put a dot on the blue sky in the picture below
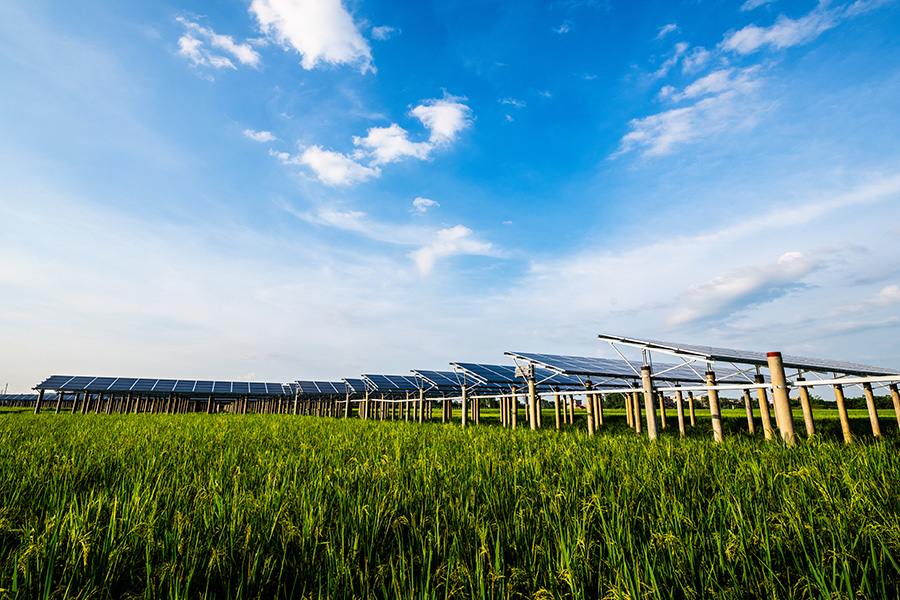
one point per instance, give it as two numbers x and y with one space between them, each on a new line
284 189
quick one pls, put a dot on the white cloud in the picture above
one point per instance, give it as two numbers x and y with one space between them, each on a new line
458 240
390 144
566 27
382 145
321 31
666 29
259 136
680 49
445 118
888 296
421 205
513 102
193 45
384 32
751 4
783 34
740 288
331 168
728 105
696 60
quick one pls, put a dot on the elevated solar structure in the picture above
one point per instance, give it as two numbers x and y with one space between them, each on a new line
356 385
622 371
124 385
452 382
714 354
313 388
506 375
392 383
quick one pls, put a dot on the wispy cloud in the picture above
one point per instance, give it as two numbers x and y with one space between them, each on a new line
332 168
200 44
321 31
741 288
421 205
443 118
723 100
458 240
384 33
665 30
751 4
259 136
787 32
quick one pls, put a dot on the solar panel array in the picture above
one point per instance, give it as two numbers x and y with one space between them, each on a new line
506 375
316 388
68 383
715 354
356 385
448 382
25 397
620 369
392 383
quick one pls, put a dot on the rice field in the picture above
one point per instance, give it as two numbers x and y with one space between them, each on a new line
251 506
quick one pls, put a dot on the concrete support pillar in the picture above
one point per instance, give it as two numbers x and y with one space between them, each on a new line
465 407
421 405
628 409
557 413
714 413
679 409
691 412
514 400
636 412
74 403
807 409
780 395
598 411
661 401
649 407
895 397
209 404
842 413
572 409
873 412
764 409
532 403
748 406
59 396
589 403
39 401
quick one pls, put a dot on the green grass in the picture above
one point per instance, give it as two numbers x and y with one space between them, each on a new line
223 506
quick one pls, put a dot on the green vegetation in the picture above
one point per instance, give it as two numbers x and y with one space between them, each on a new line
159 506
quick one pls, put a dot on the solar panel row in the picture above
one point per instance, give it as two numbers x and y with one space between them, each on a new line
130 384
322 387
714 354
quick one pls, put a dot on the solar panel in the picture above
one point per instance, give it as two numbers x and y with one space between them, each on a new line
714 354
102 383
185 386
54 381
392 383
122 384
203 387
275 389
164 385
78 383
357 385
445 381
257 388
221 387
143 385
240 387
506 375
331 387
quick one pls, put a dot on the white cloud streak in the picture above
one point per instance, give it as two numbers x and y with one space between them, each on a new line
321 31
444 119
458 240
421 205
193 46
259 136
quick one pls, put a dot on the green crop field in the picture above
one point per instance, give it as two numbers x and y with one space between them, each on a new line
223 506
